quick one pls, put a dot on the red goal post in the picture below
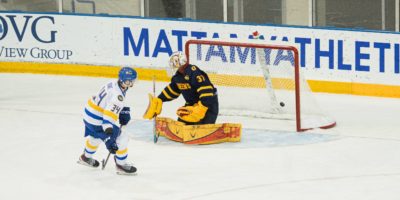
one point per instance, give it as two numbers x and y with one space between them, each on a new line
263 49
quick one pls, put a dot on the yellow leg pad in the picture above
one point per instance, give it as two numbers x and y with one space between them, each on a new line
169 128
198 134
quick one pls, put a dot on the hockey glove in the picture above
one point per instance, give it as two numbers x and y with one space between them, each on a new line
154 107
124 116
109 131
111 145
193 113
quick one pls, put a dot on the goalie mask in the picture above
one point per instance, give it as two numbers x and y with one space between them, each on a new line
176 61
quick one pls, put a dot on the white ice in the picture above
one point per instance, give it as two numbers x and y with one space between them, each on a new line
41 139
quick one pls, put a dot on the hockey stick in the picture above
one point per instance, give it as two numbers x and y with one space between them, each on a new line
104 162
156 135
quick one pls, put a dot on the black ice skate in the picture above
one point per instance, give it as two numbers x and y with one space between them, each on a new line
90 162
126 169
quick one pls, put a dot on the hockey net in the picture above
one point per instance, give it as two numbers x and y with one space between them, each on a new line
258 81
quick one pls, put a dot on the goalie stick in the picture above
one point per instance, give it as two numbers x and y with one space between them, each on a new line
155 134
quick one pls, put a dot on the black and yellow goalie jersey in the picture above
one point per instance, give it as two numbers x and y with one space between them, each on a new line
194 85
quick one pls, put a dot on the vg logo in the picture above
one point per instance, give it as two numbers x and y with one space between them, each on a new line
20 25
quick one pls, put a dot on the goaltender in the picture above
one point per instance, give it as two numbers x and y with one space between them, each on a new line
196 119
201 97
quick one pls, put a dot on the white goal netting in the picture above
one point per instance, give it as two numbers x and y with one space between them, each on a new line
259 81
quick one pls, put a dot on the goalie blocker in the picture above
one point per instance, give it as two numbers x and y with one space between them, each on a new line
198 134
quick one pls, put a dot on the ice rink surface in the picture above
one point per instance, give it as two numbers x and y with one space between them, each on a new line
42 138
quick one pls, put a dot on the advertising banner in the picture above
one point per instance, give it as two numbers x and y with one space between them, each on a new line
325 54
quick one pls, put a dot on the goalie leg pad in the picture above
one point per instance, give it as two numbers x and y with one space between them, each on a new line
169 128
198 134
212 133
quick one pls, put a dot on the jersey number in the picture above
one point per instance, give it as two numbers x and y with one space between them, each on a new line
102 94
115 109
200 78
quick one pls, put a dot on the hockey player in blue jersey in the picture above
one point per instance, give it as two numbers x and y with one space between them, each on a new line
201 98
104 115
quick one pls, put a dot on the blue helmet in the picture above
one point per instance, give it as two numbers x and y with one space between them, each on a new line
127 76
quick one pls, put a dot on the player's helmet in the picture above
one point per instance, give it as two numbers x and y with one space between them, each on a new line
176 61
127 76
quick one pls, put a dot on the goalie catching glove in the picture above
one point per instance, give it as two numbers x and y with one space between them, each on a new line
193 113
154 107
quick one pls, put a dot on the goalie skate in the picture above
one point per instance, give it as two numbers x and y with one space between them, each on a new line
90 162
126 169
